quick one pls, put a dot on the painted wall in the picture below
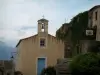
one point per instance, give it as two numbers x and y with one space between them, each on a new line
29 50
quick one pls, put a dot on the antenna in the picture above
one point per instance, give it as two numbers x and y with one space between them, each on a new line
43 16
65 20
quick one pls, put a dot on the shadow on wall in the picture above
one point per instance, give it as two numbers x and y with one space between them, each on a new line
18 73
94 46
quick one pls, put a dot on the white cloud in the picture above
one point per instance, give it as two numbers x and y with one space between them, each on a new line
16 15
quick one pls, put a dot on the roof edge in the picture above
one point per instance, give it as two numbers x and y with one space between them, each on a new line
97 6
24 39
42 20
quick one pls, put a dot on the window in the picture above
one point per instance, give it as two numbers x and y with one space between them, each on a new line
96 15
42 42
89 32
42 26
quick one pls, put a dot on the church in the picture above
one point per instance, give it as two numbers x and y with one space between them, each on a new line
37 52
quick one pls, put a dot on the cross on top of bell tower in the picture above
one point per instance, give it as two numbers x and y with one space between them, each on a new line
43 19
43 16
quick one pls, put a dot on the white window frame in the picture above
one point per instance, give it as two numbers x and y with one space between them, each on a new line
45 42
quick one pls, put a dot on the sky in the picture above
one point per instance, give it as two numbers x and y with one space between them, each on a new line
18 18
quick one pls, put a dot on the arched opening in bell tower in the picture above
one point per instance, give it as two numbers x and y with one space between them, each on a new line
42 27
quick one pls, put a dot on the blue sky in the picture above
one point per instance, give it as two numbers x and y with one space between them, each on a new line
18 18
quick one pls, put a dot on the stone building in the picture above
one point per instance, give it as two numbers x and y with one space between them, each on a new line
94 20
61 34
6 67
93 30
39 51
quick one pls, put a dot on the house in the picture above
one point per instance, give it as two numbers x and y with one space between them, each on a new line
94 20
6 67
39 51
93 30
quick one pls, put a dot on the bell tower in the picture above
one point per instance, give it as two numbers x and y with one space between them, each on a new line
42 26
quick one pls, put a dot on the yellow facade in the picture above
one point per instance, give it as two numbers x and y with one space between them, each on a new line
29 50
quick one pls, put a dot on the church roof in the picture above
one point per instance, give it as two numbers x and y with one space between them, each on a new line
25 39
31 37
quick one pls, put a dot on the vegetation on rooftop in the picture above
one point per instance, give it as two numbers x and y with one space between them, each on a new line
74 30
77 25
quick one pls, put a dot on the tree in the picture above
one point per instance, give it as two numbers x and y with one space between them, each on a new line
18 73
79 24
85 64
49 71
74 30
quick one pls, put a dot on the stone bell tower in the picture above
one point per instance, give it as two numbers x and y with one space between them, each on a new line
42 26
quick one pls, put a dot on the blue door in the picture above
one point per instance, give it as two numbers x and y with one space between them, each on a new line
40 65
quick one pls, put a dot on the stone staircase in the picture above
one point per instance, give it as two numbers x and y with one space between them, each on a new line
62 67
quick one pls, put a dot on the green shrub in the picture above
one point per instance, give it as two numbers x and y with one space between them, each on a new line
49 71
18 73
86 64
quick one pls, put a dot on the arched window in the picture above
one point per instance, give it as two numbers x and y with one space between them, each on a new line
42 27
